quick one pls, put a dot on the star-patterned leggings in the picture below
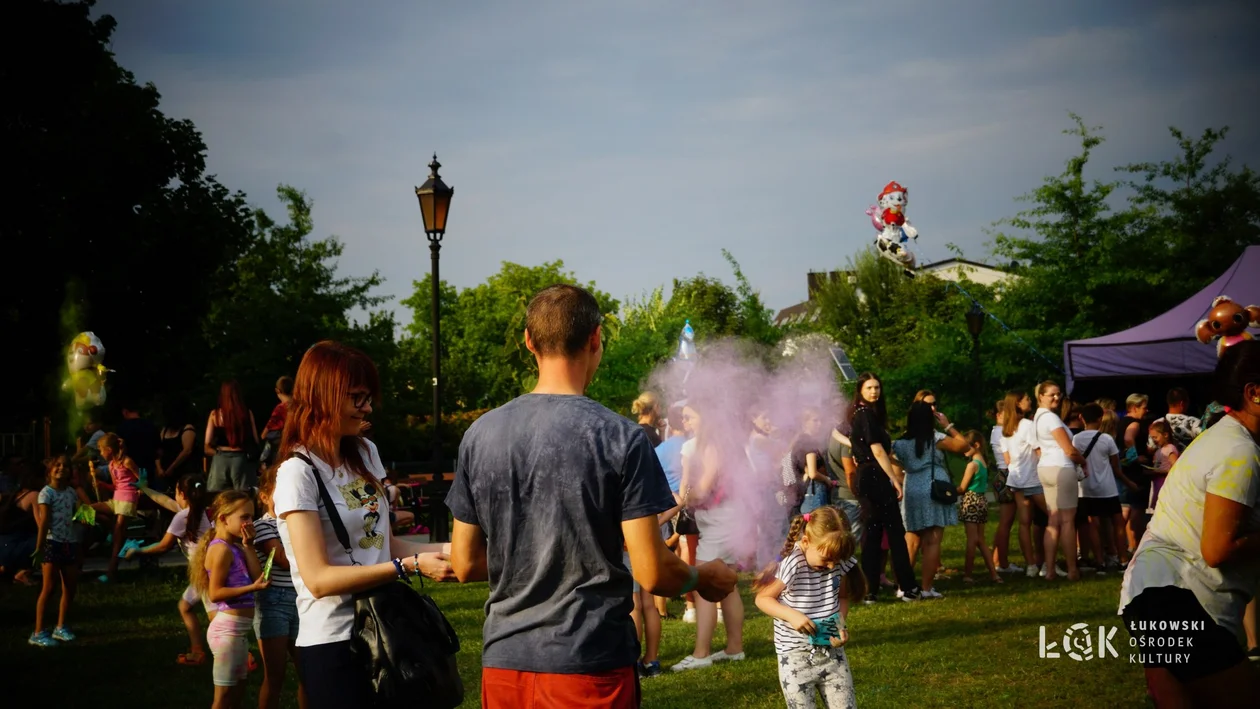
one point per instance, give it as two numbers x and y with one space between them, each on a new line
803 673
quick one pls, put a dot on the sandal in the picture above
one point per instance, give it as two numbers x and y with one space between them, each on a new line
191 659
968 580
997 579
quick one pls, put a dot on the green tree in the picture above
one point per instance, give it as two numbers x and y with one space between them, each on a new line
113 225
1078 276
1195 217
280 296
484 359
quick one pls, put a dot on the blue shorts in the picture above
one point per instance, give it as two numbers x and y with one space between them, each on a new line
625 559
1029 491
276 614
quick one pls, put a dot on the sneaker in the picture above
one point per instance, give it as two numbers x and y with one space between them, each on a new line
1058 569
1010 569
42 639
689 615
1032 571
691 662
1254 654
900 593
1086 565
650 669
931 595
914 595
870 600
721 656
63 634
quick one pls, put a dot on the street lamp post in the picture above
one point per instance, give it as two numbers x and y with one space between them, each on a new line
435 204
975 325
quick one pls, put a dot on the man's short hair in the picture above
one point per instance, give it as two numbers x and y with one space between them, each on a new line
560 320
1092 413
674 416
284 385
1178 395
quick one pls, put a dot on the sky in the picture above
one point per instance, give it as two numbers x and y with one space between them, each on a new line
636 140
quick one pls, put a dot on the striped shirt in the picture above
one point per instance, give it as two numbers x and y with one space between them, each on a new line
265 531
808 590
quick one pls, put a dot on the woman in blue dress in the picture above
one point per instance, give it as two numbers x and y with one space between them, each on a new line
919 453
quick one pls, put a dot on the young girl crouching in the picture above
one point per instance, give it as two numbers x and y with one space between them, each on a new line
222 568
808 596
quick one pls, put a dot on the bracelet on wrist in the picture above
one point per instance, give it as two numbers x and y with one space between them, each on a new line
416 562
693 580
398 567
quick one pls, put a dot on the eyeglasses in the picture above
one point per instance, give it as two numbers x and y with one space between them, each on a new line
360 399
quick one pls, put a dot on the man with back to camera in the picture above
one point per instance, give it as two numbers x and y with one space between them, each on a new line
547 488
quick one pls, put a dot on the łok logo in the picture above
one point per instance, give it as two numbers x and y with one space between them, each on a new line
1078 643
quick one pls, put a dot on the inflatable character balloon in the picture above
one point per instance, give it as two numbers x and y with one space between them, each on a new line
889 219
84 360
1229 321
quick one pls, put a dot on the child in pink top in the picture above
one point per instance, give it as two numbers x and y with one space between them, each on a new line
126 476
1165 457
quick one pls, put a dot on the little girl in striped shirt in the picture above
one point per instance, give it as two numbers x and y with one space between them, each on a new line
808 596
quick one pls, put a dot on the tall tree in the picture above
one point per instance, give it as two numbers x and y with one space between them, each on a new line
113 224
1196 217
1079 273
484 360
281 296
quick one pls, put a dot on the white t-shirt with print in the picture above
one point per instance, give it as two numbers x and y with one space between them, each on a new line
365 513
1045 423
1224 461
1101 481
1023 467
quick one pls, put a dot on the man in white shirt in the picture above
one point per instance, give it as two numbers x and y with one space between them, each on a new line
1099 506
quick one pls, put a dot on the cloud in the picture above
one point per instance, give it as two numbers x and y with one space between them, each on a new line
635 141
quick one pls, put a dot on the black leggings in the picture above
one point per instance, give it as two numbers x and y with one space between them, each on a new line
333 679
883 514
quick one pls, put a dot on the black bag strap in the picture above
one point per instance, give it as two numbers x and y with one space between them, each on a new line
1090 447
333 517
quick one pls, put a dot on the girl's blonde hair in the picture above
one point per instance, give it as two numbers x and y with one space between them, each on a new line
114 443
646 404
226 503
1109 423
828 532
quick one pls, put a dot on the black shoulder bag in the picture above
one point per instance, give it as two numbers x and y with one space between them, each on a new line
943 491
400 636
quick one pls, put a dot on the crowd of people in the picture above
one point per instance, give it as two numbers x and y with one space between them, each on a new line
586 524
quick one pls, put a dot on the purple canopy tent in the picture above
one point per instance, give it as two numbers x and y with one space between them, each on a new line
1165 346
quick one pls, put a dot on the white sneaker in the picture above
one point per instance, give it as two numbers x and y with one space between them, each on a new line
1010 569
691 662
721 656
689 615
900 593
1033 571
1057 569
931 595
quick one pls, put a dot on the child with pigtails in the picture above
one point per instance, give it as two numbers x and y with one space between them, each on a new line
808 596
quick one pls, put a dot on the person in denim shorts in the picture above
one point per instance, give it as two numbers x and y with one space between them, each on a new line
276 621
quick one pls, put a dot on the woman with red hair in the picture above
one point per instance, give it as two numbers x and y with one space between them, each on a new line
230 433
324 457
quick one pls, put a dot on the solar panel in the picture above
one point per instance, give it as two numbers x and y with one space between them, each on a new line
842 361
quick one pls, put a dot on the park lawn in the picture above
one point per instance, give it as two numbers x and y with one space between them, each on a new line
978 648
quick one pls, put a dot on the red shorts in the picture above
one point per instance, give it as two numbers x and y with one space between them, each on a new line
510 689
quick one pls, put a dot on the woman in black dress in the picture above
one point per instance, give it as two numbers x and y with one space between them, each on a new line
879 489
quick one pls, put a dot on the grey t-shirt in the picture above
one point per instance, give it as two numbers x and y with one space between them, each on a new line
835 451
549 479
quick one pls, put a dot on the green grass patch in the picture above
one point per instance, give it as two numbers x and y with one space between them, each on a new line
976 648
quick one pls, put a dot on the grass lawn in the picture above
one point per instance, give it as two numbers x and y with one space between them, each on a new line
976 648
